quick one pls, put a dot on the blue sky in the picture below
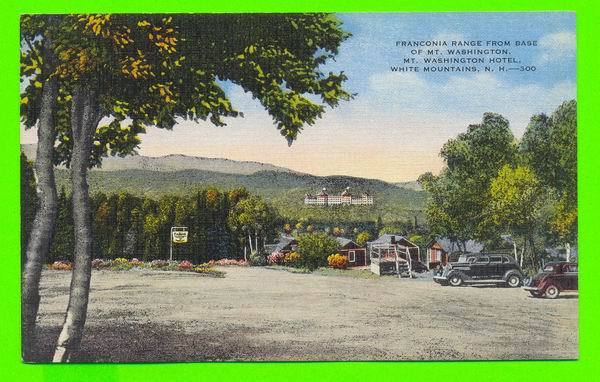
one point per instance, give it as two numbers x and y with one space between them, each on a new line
398 122
375 35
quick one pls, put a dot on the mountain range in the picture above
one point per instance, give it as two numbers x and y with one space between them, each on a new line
284 188
175 162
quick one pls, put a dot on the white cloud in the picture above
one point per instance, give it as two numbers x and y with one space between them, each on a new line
460 100
557 46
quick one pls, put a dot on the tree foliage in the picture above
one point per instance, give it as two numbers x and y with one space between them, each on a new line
460 194
362 238
315 248
128 226
515 197
549 146
153 69
492 186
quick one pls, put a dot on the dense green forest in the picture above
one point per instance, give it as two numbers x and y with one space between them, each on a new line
133 211
284 190
130 226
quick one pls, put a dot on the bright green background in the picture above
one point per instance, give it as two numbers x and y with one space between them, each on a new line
587 367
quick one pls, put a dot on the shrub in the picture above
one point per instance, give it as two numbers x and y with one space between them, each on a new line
314 249
205 269
258 259
158 263
185 265
136 262
172 265
61 265
98 263
337 261
225 262
275 258
362 238
292 259
120 264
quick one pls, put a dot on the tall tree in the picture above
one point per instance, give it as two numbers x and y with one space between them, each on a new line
39 69
45 103
460 194
155 69
516 197
255 218
549 146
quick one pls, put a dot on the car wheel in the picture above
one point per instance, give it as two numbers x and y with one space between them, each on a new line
552 292
455 280
513 281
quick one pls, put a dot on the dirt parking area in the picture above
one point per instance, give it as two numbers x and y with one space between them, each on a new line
263 314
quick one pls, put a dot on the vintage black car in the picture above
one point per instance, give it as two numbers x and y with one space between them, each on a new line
482 268
553 279
419 267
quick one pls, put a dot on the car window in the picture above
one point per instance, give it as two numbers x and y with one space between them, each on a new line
471 259
483 260
571 268
505 260
495 259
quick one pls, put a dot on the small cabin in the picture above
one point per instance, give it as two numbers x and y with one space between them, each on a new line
357 255
286 244
443 250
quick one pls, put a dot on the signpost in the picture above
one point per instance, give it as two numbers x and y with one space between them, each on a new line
179 235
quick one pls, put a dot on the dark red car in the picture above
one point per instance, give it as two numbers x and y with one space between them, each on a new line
553 279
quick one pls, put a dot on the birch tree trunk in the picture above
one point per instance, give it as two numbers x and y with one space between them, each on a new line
534 257
42 229
256 241
250 242
84 120
522 255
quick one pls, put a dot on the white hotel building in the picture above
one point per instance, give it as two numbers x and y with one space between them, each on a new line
345 198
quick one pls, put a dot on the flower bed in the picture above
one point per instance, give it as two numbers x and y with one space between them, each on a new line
208 270
275 258
62 265
226 262
157 264
122 264
99 264
136 262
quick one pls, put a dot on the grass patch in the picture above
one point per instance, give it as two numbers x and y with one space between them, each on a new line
355 273
288 269
325 271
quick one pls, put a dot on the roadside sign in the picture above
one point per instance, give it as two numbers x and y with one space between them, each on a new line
179 235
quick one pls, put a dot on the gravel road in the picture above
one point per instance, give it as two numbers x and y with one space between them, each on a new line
257 314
